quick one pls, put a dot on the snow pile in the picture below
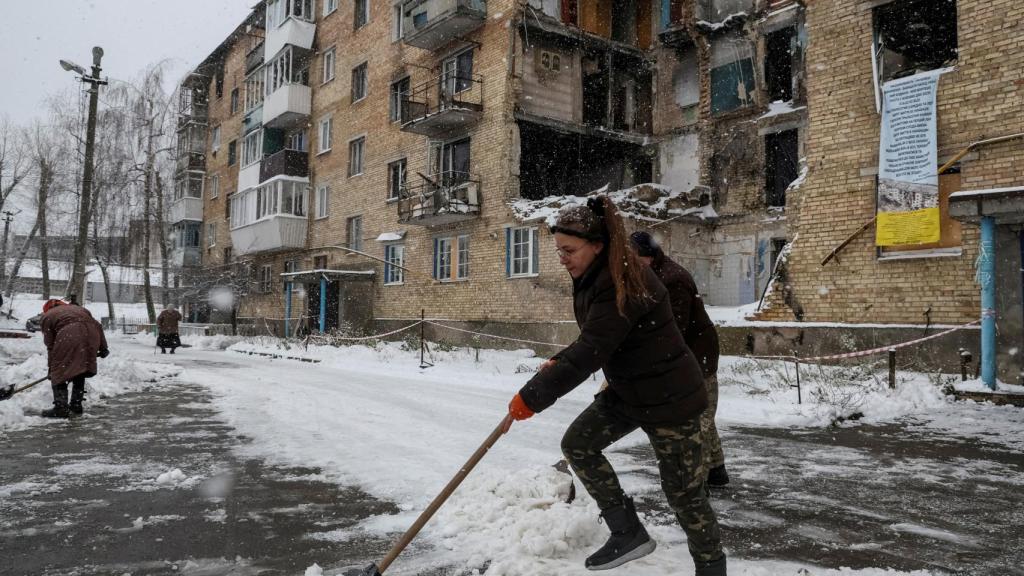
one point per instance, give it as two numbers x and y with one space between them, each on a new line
314 570
214 342
779 107
24 306
173 476
644 202
117 375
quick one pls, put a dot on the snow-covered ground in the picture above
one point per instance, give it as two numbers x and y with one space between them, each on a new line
370 417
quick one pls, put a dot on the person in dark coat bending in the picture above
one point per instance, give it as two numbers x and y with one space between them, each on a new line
167 329
74 339
700 335
654 383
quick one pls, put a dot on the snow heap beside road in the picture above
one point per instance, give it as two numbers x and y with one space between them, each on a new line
117 375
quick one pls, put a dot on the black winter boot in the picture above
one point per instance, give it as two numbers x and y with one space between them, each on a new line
60 403
628 541
715 568
718 477
77 397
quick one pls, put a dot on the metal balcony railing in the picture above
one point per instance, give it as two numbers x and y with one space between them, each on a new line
449 197
446 103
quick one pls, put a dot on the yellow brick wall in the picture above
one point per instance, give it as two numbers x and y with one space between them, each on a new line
982 98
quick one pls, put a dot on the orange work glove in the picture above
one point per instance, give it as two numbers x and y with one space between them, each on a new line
518 409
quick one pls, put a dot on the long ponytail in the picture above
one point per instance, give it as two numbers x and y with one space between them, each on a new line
626 271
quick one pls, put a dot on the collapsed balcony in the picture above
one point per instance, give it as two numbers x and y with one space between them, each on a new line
447 103
450 197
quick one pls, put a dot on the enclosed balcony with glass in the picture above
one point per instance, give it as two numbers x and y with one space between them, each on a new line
289 22
287 95
185 249
431 24
188 197
270 217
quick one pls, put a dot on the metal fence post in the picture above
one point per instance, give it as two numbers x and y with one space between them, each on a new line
892 368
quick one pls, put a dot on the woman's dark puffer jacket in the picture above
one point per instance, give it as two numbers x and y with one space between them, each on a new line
653 378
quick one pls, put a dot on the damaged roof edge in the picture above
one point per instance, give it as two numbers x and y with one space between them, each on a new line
216 57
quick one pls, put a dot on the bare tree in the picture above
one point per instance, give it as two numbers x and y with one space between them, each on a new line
13 163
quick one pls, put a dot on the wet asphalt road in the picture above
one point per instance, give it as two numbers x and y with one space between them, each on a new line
82 497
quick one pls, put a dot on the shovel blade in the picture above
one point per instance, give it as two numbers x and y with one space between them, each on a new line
370 570
7 392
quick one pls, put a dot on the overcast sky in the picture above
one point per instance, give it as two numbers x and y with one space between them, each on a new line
133 33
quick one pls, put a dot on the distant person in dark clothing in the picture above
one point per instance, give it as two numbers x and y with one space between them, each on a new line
74 339
701 337
167 329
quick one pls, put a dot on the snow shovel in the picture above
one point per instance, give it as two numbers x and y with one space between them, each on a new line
410 534
6 393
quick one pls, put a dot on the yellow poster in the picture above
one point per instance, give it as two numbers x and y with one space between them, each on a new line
912 227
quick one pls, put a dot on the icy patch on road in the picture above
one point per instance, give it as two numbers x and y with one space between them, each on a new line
935 534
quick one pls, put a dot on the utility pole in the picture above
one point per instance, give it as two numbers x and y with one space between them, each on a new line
76 286
8 216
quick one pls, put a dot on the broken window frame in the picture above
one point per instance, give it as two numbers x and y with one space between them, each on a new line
879 49
742 69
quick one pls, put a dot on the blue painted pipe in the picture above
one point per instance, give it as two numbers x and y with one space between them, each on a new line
987 277
666 14
323 304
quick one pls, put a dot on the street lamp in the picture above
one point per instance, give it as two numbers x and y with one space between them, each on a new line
76 285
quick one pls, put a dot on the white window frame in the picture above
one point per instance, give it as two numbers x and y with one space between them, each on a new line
330 6
354 232
211 234
252 148
443 259
394 257
215 138
323 201
366 13
356 147
397 24
266 279
395 100
328 122
214 186
403 165
462 250
329 59
516 267
364 81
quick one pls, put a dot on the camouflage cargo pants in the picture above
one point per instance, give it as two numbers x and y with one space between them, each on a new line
680 464
713 456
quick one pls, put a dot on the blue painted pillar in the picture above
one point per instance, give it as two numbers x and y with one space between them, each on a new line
323 304
287 308
666 14
987 279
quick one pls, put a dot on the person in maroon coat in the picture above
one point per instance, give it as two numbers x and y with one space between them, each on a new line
701 337
74 339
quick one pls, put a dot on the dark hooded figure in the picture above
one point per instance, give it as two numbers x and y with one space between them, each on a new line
654 383
167 328
700 335
74 339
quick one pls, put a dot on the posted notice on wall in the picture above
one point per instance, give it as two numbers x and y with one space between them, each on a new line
908 181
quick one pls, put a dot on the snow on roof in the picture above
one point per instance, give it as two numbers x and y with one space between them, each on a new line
990 192
391 236
738 17
60 270
644 202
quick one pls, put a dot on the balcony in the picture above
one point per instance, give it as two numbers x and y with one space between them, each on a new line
191 162
431 24
448 103
252 120
249 176
254 59
285 163
185 257
186 208
292 31
278 232
451 197
288 106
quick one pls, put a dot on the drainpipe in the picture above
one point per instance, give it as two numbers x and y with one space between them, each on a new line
287 308
986 274
666 14
323 304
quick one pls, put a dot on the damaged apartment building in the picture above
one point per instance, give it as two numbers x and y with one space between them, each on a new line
356 163
704 97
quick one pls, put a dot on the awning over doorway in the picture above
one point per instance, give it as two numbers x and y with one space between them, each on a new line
313 276
1006 205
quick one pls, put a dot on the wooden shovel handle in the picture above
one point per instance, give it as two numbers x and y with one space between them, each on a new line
425 516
